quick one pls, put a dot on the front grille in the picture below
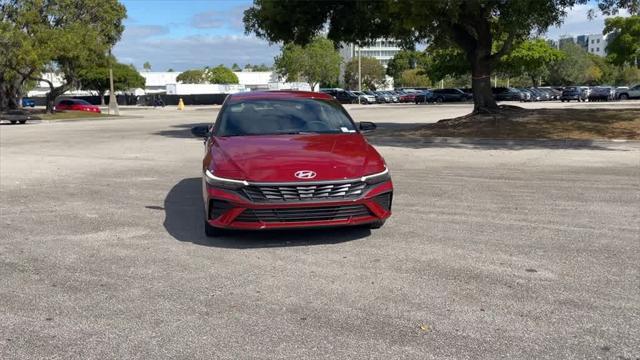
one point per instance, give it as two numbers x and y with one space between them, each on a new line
303 214
304 192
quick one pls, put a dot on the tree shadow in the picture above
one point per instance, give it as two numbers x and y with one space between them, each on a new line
396 135
184 221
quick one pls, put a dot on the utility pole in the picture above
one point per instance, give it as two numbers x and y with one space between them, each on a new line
359 75
113 103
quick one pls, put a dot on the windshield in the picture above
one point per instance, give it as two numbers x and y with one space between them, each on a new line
80 102
286 116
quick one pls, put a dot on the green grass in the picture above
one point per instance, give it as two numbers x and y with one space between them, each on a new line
71 115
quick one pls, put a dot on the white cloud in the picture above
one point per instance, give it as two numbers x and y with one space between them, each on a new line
195 51
577 22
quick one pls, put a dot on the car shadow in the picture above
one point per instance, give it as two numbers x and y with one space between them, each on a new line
182 131
184 222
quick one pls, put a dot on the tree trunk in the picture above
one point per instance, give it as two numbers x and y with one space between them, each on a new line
483 99
101 94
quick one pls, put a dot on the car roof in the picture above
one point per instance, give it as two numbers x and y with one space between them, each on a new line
280 94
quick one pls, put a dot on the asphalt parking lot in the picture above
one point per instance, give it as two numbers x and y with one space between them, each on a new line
517 251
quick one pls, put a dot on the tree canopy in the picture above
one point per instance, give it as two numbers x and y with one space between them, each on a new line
65 36
624 43
316 62
371 70
531 58
97 77
470 26
220 75
194 76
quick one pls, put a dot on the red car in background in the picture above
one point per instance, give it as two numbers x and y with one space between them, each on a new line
290 159
76 105
408 97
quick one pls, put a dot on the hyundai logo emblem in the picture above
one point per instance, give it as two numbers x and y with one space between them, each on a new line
305 174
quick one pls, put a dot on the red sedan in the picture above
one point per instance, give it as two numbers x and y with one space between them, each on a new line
290 159
77 105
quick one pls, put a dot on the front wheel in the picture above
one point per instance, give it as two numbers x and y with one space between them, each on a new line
624 97
22 121
13 121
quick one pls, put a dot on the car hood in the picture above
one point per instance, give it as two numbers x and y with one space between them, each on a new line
277 158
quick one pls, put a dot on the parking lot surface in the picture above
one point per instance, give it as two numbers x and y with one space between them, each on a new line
494 251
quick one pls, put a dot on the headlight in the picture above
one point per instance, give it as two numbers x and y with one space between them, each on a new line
377 178
222 182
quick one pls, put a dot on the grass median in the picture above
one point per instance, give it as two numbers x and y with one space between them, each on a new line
71 115
518 123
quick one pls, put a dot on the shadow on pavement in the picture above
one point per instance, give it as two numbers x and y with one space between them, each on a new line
390 134
184 221
181 131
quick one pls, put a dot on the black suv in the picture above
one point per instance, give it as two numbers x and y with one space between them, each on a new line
451 95
344 97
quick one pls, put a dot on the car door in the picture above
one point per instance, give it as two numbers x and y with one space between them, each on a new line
634 92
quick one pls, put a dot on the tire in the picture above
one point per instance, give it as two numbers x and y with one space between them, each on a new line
376 225
623 97
212 231
22 121
439 100
13 122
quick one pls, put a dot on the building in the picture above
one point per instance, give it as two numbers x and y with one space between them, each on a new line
382 50
596 44
592 43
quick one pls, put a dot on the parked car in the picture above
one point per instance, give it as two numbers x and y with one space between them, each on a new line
449 95
26 102
344 97
602 93
408 97
427 96
525 95
506 94
541 94
290 159
384 97
76 105
631 93
378 98
364 98
573 93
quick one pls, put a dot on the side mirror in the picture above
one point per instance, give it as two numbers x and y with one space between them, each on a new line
201 131
367 126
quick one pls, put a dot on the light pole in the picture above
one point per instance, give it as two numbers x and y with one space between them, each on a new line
113 103
359 76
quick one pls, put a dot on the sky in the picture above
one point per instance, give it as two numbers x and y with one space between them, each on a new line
187 34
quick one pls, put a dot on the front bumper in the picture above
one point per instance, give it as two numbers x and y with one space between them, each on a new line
229 209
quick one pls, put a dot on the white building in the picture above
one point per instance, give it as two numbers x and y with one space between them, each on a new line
596 44
382 50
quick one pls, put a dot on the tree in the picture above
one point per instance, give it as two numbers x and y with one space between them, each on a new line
530 58
402 61
97 78
572 68
470 26
220 75
372 73
170 70
624 44
64 36
235 67
316 62
413 77
195 76
146 66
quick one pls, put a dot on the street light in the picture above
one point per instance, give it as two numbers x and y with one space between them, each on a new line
113 103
